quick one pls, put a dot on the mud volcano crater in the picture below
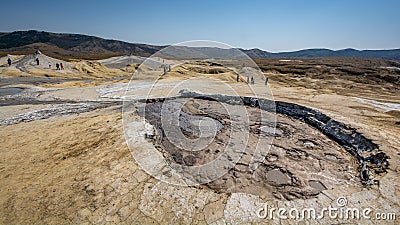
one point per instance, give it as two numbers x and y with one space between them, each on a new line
307 153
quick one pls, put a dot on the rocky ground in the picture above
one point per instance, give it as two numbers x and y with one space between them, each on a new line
64 157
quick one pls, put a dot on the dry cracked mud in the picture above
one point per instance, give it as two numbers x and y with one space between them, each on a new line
300 162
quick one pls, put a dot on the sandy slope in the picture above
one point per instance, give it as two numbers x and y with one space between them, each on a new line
78 69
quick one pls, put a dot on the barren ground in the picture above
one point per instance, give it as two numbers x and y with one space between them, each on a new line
64 158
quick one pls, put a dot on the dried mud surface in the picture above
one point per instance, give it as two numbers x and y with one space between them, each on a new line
300 164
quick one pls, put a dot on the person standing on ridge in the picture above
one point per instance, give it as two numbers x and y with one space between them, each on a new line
37 61
57 66
9 61
62 66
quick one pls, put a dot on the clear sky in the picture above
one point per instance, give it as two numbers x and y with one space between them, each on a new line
271 25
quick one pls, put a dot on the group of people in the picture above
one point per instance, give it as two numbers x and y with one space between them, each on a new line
250 80
59 66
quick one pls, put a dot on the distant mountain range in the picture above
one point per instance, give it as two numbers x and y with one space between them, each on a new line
91 47
393 54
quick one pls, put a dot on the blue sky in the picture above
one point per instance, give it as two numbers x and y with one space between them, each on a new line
272 25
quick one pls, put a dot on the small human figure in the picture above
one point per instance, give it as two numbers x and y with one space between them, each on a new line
49 66
9 61
248 80
57 66
37 61
237 77
266 80
252 80
62 66
166 68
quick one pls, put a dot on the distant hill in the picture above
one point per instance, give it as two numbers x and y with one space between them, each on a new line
70 45
91 47
320 53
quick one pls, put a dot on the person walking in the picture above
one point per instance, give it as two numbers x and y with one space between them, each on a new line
61 66
57 66
9 61
37 61
252 80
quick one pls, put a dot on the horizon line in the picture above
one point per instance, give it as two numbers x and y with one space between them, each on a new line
253 48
